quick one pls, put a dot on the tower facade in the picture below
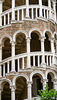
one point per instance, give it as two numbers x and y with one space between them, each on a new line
28 48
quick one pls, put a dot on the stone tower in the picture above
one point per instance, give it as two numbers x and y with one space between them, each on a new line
28 48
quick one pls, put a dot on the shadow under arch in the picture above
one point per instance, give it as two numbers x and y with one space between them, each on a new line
6 91
6 49
35 44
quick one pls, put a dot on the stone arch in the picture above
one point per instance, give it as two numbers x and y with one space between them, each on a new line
35 30
5 80
37 72
22 75
3 38
55 33
49 32
51 71
14 36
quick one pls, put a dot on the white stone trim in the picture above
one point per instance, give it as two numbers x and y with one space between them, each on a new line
47 30
51 71
5 80
37 72
19 31
35 29
5 36
55 33
22 75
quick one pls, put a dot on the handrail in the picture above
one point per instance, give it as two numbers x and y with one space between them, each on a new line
25 55
6 60
6 12
22 61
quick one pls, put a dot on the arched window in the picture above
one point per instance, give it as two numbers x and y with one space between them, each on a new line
47 43
20 46
6 93
21 88
6 50
37 85
50 83
35 44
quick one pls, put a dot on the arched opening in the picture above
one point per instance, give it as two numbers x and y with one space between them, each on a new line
50 83
47 43
21 88
45 2
35 44
33 1
19 3
20 46
6 50
7 4
6 93
37 85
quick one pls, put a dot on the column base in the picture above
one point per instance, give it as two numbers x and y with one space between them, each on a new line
13 72
53 65
27 18
12 21
28 67
43 65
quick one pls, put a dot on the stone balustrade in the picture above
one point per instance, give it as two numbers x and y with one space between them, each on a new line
21 62
33 12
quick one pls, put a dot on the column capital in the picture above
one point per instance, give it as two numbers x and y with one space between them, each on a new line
42 38
44 81
29 82
13 43
12 88
52 39
28 39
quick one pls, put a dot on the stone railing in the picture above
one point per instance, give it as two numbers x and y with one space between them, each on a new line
21 61
20 13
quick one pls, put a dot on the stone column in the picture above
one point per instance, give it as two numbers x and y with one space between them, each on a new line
40 3
28 52
12 93
29 90
42 50
52 45
56 45
13 12
44 81
54 8
1 3
49 5
27 8
13 54
52 50
0 59
55 84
